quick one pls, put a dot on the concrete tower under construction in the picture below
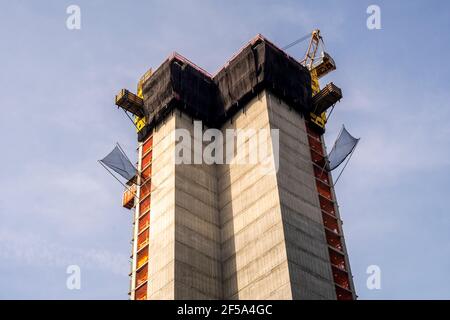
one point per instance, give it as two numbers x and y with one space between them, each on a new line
265 229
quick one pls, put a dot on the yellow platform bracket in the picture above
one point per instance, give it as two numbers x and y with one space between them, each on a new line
321 119
140 122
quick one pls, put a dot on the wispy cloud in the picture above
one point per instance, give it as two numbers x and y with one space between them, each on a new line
33 250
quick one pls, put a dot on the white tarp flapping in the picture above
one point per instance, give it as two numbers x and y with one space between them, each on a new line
117 161
343 147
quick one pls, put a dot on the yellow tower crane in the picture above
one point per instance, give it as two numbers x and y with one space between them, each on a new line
318 67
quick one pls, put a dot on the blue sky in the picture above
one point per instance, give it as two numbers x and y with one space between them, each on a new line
58 206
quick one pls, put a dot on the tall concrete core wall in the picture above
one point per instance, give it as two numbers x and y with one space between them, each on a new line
238 231
197 230
307 251
253 247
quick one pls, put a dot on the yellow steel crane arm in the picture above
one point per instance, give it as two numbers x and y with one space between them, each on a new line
317 68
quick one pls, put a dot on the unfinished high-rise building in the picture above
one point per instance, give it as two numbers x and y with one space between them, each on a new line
235 230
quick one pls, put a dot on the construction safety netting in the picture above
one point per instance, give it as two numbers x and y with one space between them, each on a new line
343 147
178 83
117 161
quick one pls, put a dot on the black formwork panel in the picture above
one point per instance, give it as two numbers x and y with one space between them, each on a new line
260 65
263 66
235 82
158 90
178 84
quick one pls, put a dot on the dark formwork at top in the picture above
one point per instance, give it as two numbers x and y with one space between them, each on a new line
260 65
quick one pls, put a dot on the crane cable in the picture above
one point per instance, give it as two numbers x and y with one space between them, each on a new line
297 41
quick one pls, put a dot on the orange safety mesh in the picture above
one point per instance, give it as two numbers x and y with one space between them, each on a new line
147 159
141 293
343 294
337 259
142 257
318 159
321 174
340 277
142 240
327 205
145 189
146 173
323 189
144 222
333 240
315 145
148 145
330 222
144 205
141 276
338 265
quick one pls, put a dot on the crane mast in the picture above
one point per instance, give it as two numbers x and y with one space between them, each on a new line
319 67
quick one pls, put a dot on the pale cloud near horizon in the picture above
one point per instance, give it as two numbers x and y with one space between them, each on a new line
34 250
